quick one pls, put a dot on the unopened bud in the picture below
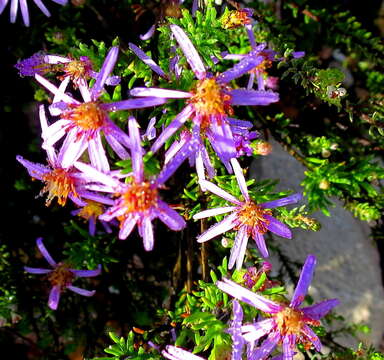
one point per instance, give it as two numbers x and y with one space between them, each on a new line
78 2
266 266
324 184
261 147
325 153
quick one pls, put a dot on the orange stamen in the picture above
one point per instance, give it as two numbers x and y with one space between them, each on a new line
210 100
61 276
58 183
139 197
253 215
92 209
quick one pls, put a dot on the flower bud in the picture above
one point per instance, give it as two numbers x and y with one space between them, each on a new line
324 184
261 147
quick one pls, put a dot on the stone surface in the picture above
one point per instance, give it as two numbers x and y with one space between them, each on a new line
348 261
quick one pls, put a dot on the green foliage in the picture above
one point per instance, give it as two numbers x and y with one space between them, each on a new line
126 348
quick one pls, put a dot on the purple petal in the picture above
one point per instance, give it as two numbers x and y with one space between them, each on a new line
176 123
253 332
36 270
94 175
136 150
149 33
117 147
45 253
213 212
81 291
317 311
249 297
178 159
267 346
312 337
189 51
304 281
147 60
170 217
240 178
133 104
238 249
219 228
54 297
260 243
146 230
72 148
278 227
237 339
42 7
87 273
253 97
160 93
291 199
244 65
220 192
105 71
36 171
289 342
239 123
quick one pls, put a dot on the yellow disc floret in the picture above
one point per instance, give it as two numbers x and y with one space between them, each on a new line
139 197
61 276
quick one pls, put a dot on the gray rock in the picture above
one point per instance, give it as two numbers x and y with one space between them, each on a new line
347 259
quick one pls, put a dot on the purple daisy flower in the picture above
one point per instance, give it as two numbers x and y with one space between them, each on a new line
24 8
60 182
247 217
61 276
288 324
210 101
79 71
138 202
82 124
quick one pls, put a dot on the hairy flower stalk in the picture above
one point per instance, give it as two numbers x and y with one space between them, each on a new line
24 8
288 324
138 202
83 123
209 102
61 276
247 217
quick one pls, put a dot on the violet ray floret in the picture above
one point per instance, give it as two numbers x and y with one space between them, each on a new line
288 323
61 276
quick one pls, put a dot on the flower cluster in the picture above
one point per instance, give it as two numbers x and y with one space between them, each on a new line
80 135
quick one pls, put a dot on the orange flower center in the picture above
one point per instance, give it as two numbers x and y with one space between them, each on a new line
92 209
253 215
290 321
61 276
234 19
139 197
210 100
58 183
87 116
76 69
